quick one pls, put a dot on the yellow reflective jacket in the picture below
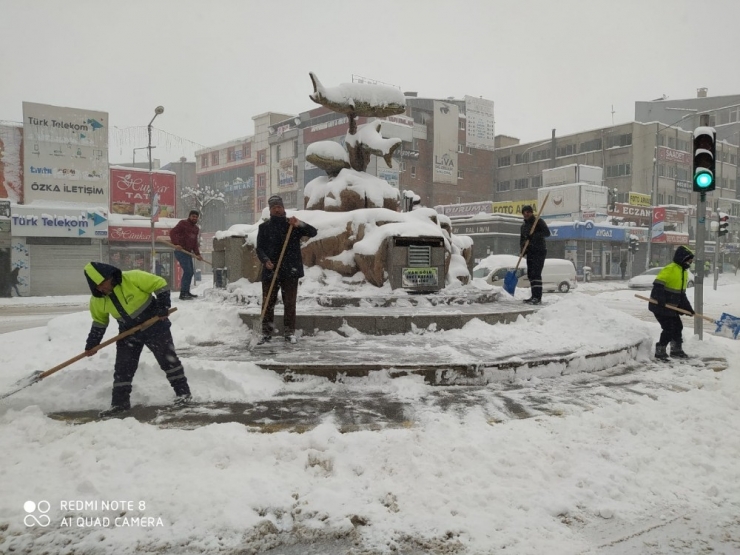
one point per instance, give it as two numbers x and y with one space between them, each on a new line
133 290
670 284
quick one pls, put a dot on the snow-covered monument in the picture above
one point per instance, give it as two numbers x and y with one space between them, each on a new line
361 228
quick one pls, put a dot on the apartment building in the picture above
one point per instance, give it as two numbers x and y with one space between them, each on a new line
450 156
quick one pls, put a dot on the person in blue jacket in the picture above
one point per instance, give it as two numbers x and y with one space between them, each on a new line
669 288
132 298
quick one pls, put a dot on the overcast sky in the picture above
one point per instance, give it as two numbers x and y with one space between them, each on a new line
214 64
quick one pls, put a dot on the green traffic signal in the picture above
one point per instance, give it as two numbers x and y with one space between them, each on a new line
704 159
703 179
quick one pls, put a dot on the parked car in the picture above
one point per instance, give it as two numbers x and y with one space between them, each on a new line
645 279
557 275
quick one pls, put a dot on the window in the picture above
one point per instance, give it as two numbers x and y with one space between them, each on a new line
459 174
413 171
261 181
502 186
214 158
247 149
460 148
504 161
470 150
402 166
521 158
536 182
543 154
521 183
618 170
204 161
260 204
622 140
262 157
566 150
295 148
590 146
462 124
231 154
277 153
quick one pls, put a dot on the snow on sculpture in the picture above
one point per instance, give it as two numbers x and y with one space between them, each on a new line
339 192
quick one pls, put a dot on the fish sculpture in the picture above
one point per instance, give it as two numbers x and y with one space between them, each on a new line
359 99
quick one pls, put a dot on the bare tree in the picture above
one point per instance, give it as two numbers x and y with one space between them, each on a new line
199 197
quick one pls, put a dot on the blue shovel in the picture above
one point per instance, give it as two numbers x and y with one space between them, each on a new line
510 279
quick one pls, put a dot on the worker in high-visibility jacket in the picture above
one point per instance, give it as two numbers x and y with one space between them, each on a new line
669 288
133 297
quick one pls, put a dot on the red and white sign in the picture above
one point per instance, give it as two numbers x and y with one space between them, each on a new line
136 234
130 188
672 238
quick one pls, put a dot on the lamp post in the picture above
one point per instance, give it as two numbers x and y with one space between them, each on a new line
133 161
158 110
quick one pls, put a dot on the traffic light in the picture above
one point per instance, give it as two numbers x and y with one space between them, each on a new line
704 157
634 245
724 222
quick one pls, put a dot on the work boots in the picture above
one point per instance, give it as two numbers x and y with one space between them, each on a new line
677 350
660 352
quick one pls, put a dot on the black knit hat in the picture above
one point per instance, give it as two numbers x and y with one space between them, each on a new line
274 201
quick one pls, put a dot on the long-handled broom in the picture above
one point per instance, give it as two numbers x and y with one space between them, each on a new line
257 328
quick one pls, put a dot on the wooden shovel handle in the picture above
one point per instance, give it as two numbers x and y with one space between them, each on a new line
681 310
266 301
166 242
151 321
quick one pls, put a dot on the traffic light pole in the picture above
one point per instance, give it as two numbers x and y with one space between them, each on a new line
701 216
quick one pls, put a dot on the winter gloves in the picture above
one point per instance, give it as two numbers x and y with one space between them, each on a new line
94 337
163 304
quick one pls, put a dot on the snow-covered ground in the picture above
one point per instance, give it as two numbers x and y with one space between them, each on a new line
657 474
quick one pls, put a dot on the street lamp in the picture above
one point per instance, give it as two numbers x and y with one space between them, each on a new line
158 110
133 162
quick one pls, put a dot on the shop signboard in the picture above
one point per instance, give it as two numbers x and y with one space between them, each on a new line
130 188
28 221
65 154
141 234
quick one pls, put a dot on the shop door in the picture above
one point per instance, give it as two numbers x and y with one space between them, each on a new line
606 268
58 269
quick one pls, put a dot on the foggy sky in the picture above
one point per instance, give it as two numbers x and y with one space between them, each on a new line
215 64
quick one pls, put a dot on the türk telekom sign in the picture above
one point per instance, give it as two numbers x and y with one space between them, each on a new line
89 223
130 188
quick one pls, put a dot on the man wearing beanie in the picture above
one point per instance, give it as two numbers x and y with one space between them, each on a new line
270 240
536 251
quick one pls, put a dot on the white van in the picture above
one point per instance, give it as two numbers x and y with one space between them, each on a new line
557 275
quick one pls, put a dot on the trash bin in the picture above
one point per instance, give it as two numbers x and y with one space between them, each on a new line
220 278
586 273
198 276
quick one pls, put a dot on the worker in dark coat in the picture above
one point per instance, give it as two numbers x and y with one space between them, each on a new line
270 240
132 298
669 288
536 251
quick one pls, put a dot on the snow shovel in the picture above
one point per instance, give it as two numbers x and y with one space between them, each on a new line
510 279
166 242
38 376
257 328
